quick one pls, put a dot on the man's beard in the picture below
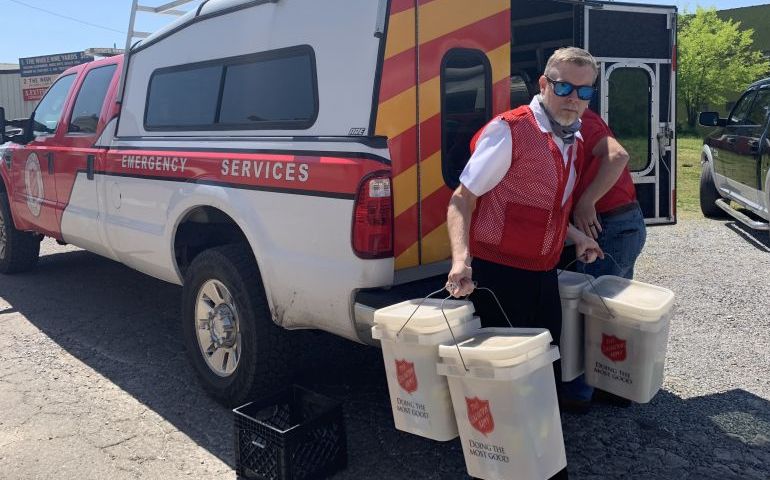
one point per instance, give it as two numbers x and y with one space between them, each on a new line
566 118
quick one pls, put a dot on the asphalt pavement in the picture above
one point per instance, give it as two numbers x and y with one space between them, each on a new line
94 382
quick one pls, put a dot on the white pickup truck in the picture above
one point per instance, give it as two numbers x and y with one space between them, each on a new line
289 162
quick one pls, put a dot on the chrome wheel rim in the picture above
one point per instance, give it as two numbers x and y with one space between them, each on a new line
3 236
217 328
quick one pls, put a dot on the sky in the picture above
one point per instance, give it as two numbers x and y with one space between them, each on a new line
30 28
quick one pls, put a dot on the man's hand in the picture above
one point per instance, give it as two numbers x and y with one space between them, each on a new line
460 283
586 248
585 219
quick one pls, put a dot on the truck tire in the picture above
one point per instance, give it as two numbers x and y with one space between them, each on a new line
19 251
237 351
709 194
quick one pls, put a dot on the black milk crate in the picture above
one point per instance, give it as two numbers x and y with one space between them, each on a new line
292 435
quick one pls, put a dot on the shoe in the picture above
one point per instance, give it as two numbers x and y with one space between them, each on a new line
575 406
608 398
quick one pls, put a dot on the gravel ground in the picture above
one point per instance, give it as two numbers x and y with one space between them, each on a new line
94 382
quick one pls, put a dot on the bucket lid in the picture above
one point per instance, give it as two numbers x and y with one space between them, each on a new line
427 319
629 298
571 284
498 347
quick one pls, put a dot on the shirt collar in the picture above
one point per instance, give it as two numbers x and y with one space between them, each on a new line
541 118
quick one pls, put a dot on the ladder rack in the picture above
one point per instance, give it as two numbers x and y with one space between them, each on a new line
169 8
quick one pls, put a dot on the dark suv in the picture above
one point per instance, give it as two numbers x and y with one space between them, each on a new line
736 157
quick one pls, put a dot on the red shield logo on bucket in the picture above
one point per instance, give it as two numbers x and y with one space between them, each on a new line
480 415
406 375
613 348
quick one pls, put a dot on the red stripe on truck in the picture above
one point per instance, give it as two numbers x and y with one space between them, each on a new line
310 173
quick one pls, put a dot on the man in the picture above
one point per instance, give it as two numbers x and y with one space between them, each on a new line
522 173
606 209
510 214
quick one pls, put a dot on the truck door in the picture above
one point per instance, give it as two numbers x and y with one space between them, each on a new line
635 48
463 80
444 73
32 166
75 165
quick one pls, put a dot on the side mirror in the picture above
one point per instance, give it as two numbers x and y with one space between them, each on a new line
711 119
2 126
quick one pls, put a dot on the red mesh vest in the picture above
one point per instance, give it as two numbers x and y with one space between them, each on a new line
521 222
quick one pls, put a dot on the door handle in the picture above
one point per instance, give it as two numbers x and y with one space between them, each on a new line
90 166
50 163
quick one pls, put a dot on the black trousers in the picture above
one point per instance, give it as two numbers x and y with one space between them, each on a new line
530 299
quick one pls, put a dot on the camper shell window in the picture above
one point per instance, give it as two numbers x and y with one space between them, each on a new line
466 106
269 90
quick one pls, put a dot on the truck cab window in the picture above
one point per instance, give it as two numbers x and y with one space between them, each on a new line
466 107
760 109
740 112
90 99
49 110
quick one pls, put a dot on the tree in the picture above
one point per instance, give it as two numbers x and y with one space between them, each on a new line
716 60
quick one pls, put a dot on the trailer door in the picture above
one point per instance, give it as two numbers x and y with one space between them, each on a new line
635 48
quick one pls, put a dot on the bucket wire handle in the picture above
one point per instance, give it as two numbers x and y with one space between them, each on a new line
590 282
454 339
498 303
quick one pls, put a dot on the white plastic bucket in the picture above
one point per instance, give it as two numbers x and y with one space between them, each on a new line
626 336
506 406
419 396
571 285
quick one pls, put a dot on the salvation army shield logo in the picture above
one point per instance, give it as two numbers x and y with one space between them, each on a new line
480 415
613 348
406 375
33 181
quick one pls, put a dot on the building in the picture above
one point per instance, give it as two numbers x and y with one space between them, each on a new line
10 92
756 17
11 97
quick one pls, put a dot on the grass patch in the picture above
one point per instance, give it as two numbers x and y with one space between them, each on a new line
688 176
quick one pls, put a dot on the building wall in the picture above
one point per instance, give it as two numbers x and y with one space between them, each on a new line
756 17
10 96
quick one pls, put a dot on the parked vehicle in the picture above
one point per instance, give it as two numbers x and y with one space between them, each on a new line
297 177
736 158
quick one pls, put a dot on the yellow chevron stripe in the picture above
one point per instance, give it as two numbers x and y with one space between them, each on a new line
396 115
500 59
435 245
404 190
400 33
407 259
431 178
430 98
452 15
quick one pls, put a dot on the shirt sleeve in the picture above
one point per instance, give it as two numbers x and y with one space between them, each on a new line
491 159
593 131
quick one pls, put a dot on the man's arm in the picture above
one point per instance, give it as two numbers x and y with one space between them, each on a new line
613 158
459 213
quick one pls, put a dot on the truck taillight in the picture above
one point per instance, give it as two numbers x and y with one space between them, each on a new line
372 234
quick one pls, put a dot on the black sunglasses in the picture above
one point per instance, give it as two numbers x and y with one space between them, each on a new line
563 89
